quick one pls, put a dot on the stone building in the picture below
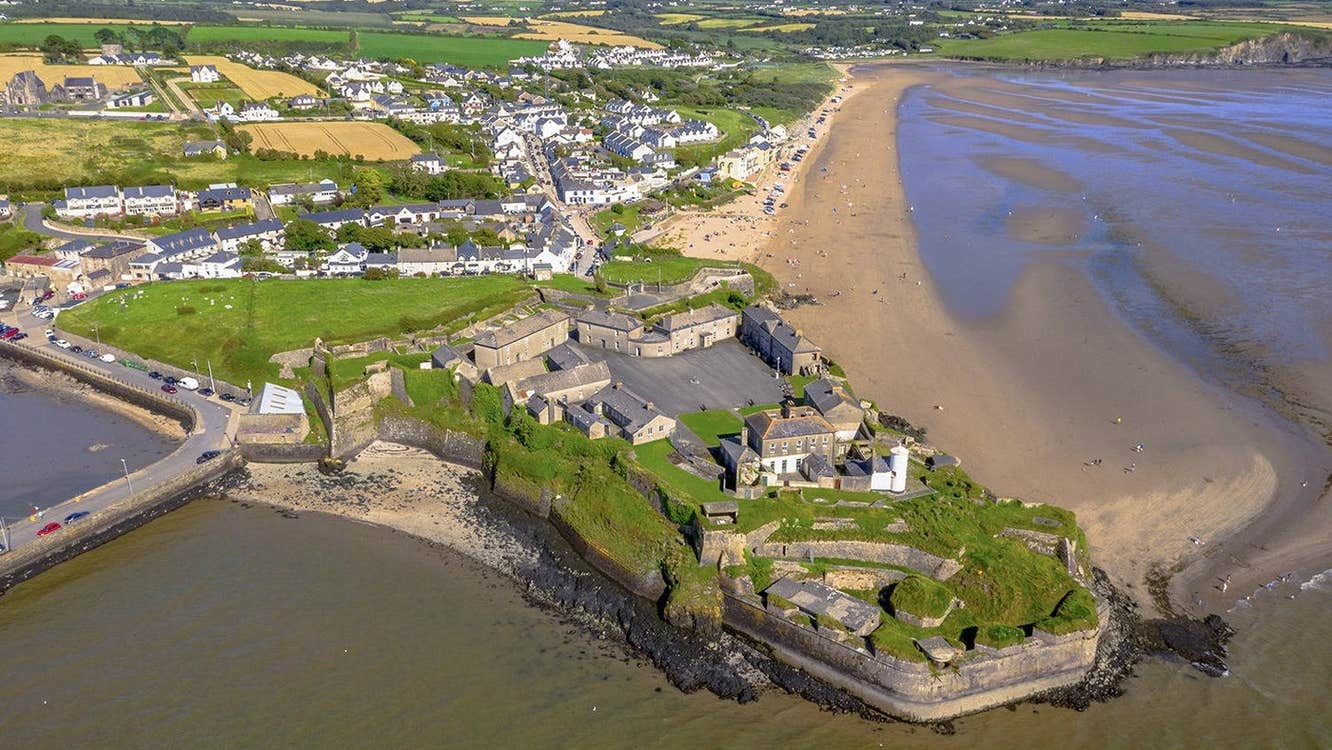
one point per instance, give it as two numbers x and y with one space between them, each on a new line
26 89
692 329
782 438
113 258
615 411
526 339
836 405
778 344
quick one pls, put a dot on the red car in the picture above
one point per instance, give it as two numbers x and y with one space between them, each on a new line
49 528
169 388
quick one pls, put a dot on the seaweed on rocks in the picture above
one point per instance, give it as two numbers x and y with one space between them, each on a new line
1119 650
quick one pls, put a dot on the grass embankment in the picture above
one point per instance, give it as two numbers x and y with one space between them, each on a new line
1109 39
15 240
237 324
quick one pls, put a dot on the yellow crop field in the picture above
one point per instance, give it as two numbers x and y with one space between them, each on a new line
373 140
673 19
576 14
257 84
1146 15
727 23
111 76
549 31
782 27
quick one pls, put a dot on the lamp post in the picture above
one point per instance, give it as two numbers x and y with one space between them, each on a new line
128 482
98 334
211 383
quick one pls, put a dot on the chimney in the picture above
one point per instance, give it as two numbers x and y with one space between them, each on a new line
744 434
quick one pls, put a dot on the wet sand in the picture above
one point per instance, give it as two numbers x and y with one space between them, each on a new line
1028 397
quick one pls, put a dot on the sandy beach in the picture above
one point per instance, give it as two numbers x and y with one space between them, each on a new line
1030 397
396 487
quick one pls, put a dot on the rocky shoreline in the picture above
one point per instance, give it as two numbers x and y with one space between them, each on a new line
466 517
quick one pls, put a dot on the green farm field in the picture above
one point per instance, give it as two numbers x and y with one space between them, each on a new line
32 34
177 322
1112 39
424 48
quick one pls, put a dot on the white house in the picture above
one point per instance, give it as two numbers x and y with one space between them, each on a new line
89 202
269 233
131 99
221 265
258 112
430 163
285 194
150 200
204 74
349 260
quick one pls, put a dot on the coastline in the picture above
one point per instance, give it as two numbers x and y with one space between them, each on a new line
61 386
1049 376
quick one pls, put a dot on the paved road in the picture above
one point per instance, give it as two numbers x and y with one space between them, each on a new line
33 221
209 434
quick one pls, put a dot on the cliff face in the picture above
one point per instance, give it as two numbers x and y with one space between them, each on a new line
1285 48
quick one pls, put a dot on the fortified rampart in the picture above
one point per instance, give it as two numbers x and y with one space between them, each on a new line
920 691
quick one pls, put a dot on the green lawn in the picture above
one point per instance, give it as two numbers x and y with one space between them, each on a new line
621 213
712 425
666 268
568 282
207 95
1114 39
267 317
210 34
736 128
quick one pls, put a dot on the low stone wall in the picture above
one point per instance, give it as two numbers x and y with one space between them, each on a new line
111 522
151 364
124 390
454 447
283 453
940 568
916 690
861 579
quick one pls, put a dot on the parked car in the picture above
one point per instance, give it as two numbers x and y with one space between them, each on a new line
76 515
63 344
188 383
227 397
19 336
155 375
170 380
205 392
207 456
49 528
108 357
76 349
168 388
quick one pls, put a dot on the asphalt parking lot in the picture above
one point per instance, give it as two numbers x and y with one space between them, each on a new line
725 375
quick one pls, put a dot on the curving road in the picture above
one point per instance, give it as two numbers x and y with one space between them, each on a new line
31 217
210 433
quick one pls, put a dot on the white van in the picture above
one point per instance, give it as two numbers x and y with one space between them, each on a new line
189 384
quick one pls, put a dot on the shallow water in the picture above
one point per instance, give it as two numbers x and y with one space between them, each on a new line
223 626
1199 201
55 447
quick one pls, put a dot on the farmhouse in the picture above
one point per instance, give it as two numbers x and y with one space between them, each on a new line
80 89
204 74
526 339
429 163
217 149
150 200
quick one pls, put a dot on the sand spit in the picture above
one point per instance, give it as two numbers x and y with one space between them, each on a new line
1031 397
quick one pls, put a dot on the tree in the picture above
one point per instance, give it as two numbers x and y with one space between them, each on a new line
57 49
106 36
305 236
252 248
369 185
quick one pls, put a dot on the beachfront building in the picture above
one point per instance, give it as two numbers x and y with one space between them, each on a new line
780 345
692 329
781 439
526 339
831 399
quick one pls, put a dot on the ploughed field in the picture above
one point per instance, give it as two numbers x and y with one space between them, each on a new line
373 140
